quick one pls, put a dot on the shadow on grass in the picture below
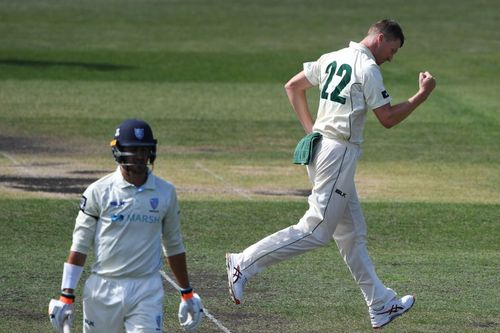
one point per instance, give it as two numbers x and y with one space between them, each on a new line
47 184
103 67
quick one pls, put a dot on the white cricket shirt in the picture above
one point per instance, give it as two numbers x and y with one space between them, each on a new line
350 83
124 225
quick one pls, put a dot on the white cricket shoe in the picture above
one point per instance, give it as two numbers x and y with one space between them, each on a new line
394 308
235 278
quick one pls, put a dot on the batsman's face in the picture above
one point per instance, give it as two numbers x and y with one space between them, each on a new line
137 163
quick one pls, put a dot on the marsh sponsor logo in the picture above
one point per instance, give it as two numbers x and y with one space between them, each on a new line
117 218
142 218
135 218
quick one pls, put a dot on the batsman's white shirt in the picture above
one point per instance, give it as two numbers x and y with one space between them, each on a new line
350 82
125 224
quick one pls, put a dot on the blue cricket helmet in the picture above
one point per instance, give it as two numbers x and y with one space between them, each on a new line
133 133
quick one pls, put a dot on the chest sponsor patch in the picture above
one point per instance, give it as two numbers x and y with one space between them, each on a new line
135 218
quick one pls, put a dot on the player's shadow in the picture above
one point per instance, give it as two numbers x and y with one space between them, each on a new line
103 67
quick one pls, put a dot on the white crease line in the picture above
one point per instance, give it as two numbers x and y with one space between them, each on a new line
205 311
226 183
18 165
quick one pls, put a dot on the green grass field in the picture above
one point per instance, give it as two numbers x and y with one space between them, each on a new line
208 76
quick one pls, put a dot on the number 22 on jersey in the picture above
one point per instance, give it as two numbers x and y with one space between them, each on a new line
344 72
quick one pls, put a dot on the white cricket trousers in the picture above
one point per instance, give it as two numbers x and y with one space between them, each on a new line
334 213
117 305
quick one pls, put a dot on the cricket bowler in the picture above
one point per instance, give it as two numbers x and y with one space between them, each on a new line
350 83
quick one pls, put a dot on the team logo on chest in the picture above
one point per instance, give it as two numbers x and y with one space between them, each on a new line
154 203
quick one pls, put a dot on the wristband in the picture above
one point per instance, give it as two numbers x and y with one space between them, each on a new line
186 293
67 297
71 276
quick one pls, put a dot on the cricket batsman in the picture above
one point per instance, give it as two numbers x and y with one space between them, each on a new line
124 218
350 83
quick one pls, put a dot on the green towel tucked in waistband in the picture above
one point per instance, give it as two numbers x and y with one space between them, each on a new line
304 151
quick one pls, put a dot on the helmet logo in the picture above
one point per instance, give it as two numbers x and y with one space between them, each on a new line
117 133
139 133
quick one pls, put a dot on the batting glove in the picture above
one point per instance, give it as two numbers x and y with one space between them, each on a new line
61 312
190 310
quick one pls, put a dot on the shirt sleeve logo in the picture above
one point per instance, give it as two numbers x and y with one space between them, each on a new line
83 203
385 94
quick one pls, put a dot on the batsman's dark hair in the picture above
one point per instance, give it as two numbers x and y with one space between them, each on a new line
390 28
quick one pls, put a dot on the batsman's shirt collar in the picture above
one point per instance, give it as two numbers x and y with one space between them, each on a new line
362 48
122 183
